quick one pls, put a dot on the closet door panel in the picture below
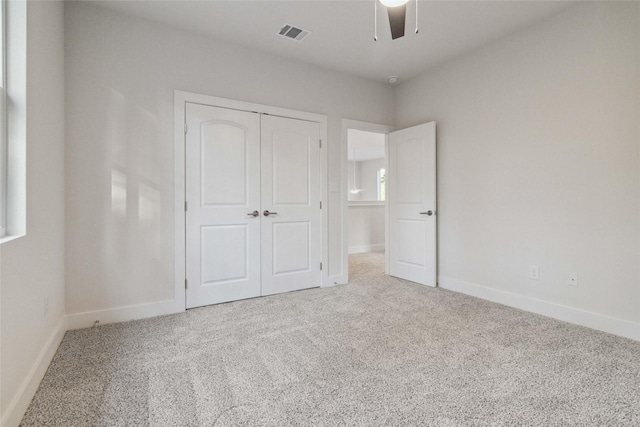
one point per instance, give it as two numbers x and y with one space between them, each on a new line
222 188
290 195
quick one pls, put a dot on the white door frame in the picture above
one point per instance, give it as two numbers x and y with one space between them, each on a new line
180 99
344 217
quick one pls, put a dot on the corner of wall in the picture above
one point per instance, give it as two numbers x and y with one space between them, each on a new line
620 327
33 319
18 406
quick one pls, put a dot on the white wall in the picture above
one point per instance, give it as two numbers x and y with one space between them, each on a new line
538 161
369 178
366 228
121 74
366 178
366 222
32 267
353 179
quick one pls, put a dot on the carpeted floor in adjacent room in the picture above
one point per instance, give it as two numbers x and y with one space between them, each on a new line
379 351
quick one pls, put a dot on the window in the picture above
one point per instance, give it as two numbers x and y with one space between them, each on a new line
381 184
3 121
13 120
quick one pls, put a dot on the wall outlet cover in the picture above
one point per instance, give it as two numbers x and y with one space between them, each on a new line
534 272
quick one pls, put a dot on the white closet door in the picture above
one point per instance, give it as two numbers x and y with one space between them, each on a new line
222 190
412 204
291 239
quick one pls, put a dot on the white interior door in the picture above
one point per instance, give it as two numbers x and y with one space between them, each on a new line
222 189
412 204
291 221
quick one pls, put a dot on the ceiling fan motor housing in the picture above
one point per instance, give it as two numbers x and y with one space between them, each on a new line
397 17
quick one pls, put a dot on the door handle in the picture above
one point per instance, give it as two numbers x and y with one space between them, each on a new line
254 213
267 213
427 213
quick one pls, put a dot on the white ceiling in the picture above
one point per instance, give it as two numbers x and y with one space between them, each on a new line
342 31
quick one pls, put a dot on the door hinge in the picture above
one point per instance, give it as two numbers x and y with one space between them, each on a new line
186 284
320 143
185 128
185 205
320 266
321 204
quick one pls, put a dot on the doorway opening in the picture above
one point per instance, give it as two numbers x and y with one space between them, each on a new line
367 196
404 191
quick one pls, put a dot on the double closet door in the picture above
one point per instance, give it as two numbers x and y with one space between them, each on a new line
253 214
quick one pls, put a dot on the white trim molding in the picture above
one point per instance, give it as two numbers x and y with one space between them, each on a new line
366 248
612 325
20 402
15 116
123 314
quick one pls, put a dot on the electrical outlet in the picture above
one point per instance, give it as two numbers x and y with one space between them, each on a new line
534 273
45 307
572 279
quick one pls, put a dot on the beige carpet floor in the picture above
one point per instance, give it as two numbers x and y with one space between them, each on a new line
379 351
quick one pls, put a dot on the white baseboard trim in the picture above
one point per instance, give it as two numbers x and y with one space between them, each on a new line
338 279
366 248
20 402
123 314
612 325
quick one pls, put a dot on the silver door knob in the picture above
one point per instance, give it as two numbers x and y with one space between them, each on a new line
427 213
267 213
254 213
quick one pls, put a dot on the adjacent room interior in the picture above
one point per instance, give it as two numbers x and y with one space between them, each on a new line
428 223
366 155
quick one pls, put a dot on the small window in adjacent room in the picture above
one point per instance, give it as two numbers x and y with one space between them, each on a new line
381 184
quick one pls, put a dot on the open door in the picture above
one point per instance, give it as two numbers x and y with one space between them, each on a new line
412 204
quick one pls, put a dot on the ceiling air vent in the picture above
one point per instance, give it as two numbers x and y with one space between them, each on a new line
293 33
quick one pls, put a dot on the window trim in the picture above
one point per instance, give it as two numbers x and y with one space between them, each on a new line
3 119
15 114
